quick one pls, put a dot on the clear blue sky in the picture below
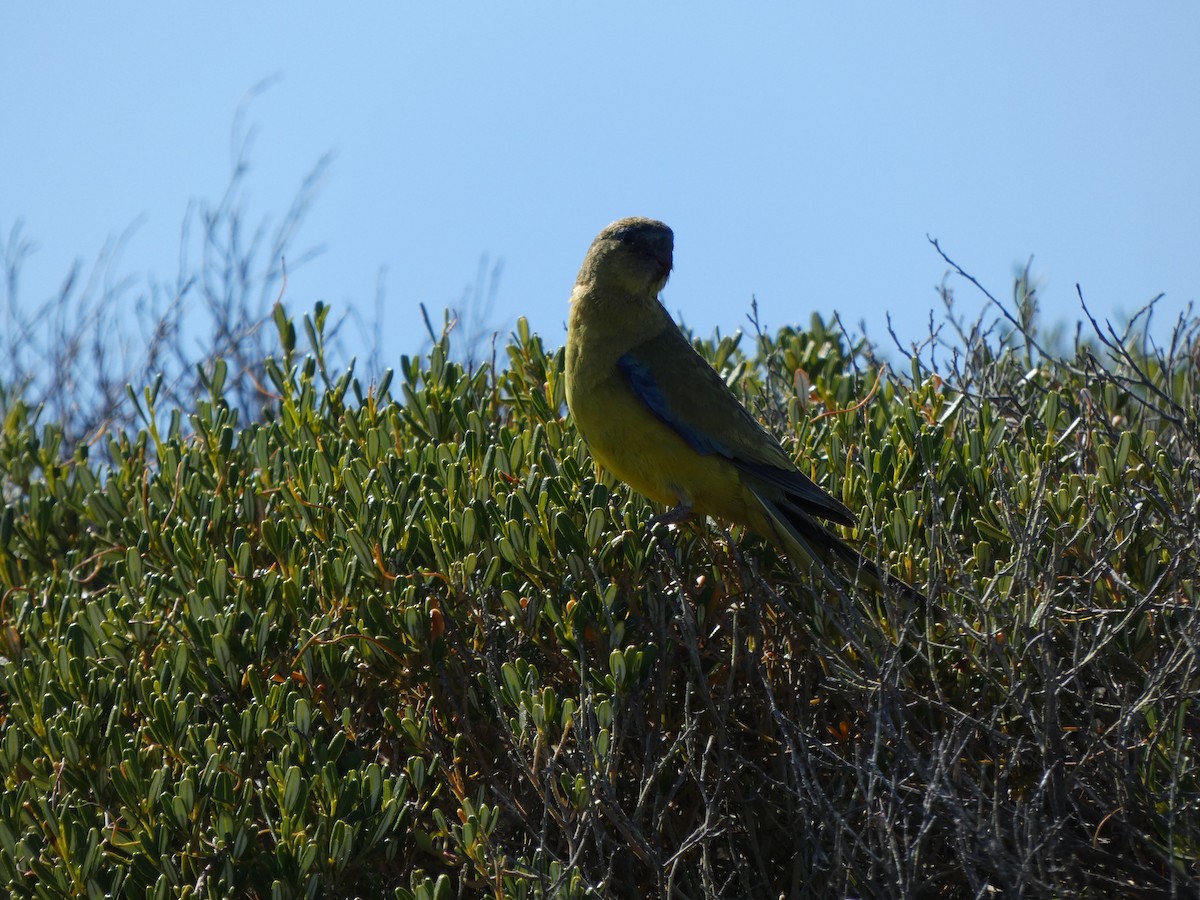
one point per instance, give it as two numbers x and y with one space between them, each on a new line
801 152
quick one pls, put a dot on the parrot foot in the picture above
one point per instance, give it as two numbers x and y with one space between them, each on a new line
676 516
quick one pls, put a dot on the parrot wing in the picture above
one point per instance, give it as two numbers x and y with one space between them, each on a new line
682 390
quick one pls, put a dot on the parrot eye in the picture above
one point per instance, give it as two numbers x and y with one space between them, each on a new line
630 233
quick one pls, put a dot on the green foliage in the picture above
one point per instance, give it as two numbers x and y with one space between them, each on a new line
418 647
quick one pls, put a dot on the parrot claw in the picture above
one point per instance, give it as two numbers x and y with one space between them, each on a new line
676 516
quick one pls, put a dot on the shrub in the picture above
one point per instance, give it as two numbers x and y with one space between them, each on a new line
414 645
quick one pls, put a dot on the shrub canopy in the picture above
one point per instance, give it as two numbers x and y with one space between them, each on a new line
410 643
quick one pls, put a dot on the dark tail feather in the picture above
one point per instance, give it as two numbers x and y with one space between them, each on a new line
880 578
815 541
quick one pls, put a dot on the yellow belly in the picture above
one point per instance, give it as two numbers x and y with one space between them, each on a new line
647 454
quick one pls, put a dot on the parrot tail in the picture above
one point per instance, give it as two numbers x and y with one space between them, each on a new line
803 532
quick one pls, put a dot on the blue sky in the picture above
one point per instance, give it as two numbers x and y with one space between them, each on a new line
801 152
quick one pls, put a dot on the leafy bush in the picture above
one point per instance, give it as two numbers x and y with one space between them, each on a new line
416 646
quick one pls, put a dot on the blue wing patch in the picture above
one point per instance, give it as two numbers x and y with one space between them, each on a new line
645 388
